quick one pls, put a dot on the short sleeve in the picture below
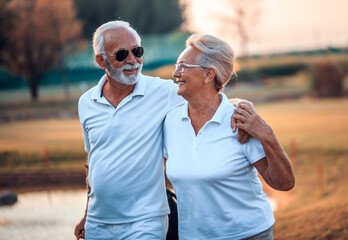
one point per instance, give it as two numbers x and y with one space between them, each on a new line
253 150
174 99
85 139
164 147
84 131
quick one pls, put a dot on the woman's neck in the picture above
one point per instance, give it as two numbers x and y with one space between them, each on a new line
202 109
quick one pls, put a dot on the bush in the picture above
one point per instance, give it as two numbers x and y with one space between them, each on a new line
327 79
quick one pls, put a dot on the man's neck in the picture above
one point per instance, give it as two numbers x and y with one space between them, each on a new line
115 92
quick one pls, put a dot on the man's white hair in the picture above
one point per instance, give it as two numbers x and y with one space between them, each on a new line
98 36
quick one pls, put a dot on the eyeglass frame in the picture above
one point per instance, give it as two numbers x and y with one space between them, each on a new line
185 65
115 54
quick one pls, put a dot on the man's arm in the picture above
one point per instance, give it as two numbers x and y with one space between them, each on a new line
80 226
275 168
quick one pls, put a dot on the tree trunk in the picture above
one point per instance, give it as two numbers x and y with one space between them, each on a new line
34 88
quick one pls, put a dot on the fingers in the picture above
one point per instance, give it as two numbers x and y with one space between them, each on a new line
243 112
246 102
241 133
82 234
246 107
77 233
233 124
245 138
239 118
235 101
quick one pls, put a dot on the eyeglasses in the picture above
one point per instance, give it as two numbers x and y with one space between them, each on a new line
122 54
181 67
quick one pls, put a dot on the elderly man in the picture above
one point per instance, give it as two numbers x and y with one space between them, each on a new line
122 119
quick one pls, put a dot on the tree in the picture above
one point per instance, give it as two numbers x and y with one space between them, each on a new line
6 22
244 18
328 79
147 17
36 41
94 13
152 16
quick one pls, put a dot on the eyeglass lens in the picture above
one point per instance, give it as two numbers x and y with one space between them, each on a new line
122 54
180 67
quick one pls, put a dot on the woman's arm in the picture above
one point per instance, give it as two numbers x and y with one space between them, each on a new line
275 168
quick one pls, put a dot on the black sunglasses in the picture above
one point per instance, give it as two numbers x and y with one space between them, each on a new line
122 54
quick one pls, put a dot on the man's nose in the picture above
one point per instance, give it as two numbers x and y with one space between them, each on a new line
131 58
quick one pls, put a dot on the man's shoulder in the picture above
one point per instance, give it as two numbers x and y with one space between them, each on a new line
87 95
177 111
157 82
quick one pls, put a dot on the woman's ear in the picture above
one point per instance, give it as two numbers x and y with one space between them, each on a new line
209 75
100 60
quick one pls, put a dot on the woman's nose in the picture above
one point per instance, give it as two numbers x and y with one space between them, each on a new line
176 73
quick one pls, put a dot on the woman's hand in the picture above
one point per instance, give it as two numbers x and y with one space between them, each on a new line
246 118
243 136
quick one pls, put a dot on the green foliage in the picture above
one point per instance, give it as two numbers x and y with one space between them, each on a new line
7 81
94 13
271 71
152 16
147 17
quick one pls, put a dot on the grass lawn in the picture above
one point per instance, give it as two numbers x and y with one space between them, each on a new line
313 132
24 146
319 131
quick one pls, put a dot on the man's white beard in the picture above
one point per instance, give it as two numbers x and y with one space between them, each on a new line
118 75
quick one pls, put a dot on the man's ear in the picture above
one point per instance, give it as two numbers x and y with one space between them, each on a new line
100 60
209 75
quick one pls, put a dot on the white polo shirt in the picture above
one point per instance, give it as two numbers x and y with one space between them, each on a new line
218 191
124 147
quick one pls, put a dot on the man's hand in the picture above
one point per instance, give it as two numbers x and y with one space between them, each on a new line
243 136
80 229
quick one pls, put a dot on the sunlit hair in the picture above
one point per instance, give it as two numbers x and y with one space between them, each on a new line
98 36
217 54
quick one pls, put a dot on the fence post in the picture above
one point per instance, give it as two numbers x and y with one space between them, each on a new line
293 150
320 177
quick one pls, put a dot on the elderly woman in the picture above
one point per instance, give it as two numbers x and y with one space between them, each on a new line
219 194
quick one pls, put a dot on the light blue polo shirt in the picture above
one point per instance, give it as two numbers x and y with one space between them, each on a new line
124 147
218 191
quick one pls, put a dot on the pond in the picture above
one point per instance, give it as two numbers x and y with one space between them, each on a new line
43 215
46 215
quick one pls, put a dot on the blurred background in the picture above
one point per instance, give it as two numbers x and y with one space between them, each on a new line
291 62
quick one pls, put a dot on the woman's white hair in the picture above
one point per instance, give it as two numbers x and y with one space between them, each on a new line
216 54
98 36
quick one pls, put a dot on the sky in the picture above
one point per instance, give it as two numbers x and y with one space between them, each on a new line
283 25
